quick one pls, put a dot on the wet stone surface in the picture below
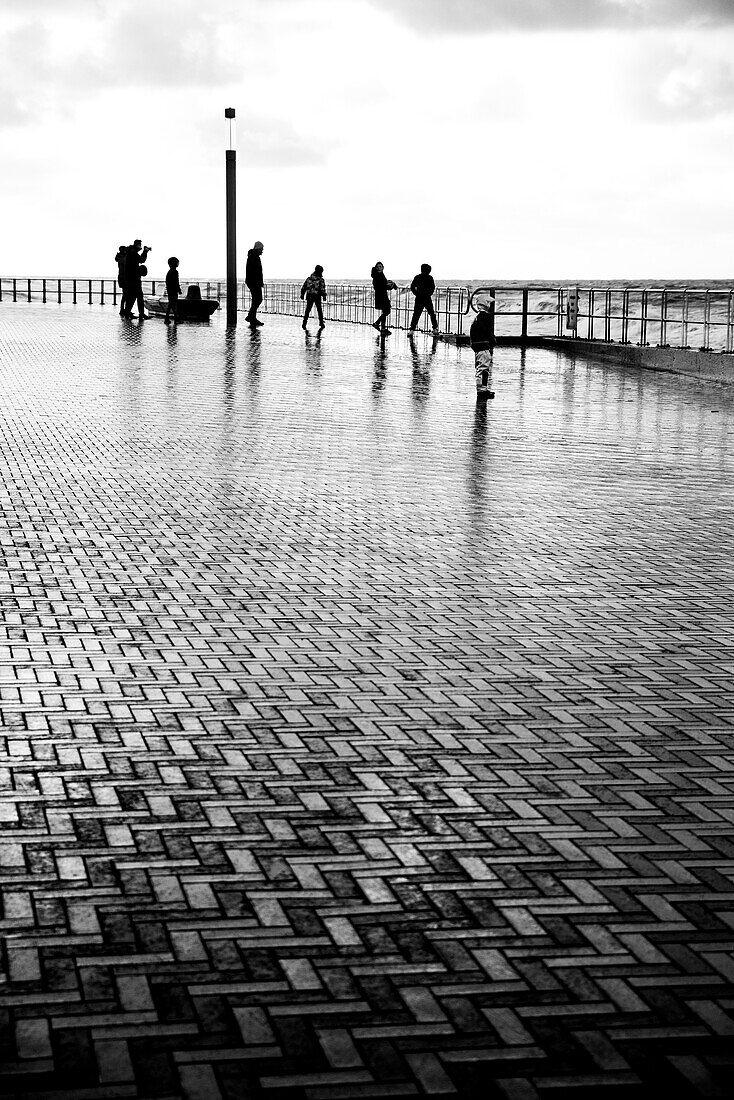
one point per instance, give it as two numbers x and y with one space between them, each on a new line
358 741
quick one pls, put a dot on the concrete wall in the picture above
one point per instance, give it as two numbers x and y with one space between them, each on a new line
710 365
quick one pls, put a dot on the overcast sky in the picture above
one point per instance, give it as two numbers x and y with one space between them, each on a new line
490 138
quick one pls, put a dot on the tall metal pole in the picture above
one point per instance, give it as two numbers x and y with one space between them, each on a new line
231 162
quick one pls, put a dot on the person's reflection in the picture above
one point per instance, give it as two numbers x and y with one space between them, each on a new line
312 354
421 379
252 360
379 375
171 370
477 474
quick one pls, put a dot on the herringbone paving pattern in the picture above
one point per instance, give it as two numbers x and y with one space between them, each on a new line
358 741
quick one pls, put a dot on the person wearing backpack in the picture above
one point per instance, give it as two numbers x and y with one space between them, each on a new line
314 291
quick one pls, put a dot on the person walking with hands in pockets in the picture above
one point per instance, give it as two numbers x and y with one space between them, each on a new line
382 287
314 290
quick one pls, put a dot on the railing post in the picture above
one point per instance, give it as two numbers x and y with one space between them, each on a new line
44 292
15 291
101 292
608 316
58 290
643 319
590 326
729 322
29 290
90 292
684 327
663 318
706 321
73 288
524 329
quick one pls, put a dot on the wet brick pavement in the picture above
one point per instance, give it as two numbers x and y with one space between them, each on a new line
357 741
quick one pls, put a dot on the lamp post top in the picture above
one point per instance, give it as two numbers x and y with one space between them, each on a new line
229 112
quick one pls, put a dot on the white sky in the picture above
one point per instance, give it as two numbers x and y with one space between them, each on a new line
490 138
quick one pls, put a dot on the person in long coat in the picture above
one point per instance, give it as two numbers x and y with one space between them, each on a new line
382 287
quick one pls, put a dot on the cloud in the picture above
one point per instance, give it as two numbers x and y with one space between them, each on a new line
65 51
698 88
12 110
277 144
473 16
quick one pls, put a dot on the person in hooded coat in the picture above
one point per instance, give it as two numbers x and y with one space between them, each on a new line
254 282
482 340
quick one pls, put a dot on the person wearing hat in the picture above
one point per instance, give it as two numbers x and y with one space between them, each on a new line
482 340
314 290
254 282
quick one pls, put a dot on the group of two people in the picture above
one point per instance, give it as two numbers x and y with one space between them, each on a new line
131 270
313 289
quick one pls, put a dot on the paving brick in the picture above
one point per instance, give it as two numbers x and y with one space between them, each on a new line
355 740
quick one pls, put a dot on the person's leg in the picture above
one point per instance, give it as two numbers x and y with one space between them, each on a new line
432 314
255 303
384 318
320 311
417 311
141 303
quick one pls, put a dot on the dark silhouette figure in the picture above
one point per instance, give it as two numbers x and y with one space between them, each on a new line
254 282
173 288
314 290
134 271
481 337
423 287
382 286
120 261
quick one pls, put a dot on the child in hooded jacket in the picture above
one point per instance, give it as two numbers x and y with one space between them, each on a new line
314 291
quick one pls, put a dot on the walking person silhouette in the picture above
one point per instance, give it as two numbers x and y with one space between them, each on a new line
382 287
254 282
314 289
423 287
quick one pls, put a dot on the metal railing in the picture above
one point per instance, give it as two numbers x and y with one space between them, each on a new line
354 302
681 317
